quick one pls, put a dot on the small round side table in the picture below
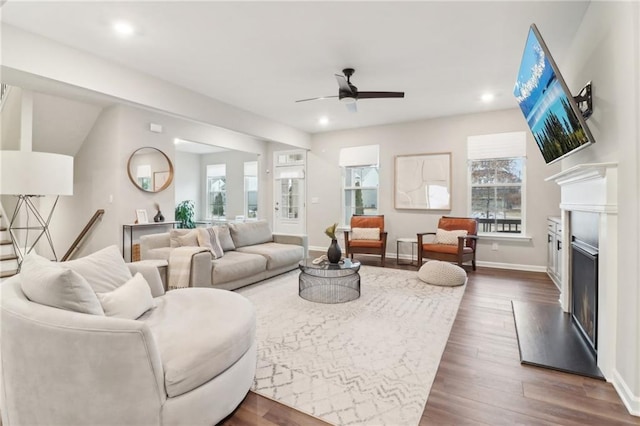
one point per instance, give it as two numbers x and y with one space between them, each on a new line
329 282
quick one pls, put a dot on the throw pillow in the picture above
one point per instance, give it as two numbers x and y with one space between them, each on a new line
129 301
207 237
250 233
448 237
365 233
183 237
224 235
104 270
51 284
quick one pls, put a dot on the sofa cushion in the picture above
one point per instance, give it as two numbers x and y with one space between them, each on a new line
183 237
366 243
128 301
277 255
224 235
160 253
445 248
104 270
49 283
200 332
235 265
250 233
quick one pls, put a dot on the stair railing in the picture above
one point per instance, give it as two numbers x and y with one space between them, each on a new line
83 233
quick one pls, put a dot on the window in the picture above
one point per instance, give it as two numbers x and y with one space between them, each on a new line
251 189
360 183
143 175
216 190
497 182
360 191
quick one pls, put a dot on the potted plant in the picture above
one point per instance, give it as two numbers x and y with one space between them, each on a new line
185 211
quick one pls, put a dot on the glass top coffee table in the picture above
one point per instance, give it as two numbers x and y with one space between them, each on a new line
329 282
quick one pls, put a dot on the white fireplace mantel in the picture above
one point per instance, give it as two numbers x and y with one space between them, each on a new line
581 172
594 188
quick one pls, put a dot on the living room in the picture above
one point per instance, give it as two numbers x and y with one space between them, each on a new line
599 45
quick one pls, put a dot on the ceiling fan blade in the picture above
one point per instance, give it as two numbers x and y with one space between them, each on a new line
372 95
316 99
342 82
352 107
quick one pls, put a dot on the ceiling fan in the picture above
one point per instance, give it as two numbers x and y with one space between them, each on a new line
349 94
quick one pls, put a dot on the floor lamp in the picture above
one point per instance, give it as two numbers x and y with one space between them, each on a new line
29 175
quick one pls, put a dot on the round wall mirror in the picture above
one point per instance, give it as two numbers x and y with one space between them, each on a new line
150 169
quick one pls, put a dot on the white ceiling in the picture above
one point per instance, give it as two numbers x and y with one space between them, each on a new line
262 56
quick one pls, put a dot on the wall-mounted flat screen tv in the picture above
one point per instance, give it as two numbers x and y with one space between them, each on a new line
552 114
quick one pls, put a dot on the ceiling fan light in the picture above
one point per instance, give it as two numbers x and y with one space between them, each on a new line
347 99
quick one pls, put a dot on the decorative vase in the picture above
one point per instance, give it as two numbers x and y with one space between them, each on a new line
158 217
334 253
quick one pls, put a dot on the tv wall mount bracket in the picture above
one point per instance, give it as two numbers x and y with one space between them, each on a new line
584 100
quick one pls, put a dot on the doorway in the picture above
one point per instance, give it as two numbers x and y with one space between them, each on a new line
289 192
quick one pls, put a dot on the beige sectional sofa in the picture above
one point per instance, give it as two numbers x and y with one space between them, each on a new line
251 253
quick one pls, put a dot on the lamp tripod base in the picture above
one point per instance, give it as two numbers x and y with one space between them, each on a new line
26 210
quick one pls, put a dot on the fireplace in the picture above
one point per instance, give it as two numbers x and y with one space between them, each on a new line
584 290
584 274
589 205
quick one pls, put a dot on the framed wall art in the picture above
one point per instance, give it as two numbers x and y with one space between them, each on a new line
160 180
423 181
141 216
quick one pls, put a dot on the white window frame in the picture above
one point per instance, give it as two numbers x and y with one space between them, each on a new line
209 201
502 146
246 190
353 188
358 157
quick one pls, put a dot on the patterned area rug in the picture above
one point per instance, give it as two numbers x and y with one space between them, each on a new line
369 362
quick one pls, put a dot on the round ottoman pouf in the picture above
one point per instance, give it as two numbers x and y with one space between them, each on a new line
442 273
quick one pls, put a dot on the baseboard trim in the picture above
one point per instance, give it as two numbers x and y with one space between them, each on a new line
631 401
512 266
484 264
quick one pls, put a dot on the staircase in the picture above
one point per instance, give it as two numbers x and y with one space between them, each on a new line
8 258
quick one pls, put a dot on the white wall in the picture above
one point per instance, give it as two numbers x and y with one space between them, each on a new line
433 136
188 179
606 50
95 178
100 173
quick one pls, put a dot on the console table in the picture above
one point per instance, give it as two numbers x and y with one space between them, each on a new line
133 227
329 282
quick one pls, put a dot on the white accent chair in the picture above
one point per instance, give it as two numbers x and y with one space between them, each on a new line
190 360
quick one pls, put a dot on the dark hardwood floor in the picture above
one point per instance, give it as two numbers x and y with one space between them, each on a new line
480 380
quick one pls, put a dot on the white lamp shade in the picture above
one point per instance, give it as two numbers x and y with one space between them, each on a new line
35 173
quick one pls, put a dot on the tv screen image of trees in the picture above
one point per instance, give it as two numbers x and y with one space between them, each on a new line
555 126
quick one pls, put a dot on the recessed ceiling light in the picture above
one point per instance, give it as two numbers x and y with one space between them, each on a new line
323 121
487 97
123 28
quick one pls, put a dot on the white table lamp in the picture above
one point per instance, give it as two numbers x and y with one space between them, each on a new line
28 174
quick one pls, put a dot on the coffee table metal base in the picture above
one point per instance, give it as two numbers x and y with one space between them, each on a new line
338 289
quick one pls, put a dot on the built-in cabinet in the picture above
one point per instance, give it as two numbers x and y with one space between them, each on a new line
554 250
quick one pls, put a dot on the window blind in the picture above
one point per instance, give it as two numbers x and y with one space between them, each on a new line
498 145
216 170
366 155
